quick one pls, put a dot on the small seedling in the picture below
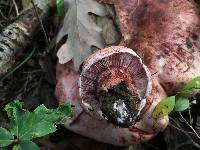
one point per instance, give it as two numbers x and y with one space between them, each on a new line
164 107
60 7
177 103
26 125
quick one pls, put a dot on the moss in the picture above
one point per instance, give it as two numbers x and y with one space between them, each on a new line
116 95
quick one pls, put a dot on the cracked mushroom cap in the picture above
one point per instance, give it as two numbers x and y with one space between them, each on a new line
114 84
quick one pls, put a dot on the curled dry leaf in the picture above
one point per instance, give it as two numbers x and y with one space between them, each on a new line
81 30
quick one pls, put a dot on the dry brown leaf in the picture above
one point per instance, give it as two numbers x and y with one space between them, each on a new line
81 30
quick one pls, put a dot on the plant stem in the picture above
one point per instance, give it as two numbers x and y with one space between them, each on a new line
18 66
197 135
41 24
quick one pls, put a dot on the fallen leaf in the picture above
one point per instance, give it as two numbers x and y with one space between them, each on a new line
81 30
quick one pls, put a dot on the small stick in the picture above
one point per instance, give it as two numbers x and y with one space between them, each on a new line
16 8
5 18
197 135
178 127
41 24
190 116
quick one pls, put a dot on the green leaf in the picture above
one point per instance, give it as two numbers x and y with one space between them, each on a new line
188 88
32 126
181 104
60 7
6 138
14 111
40 122
58 115
164 107
26 145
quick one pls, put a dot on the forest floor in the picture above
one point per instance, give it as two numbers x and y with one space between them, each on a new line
34 84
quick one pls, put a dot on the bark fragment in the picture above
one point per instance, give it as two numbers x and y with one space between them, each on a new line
18 35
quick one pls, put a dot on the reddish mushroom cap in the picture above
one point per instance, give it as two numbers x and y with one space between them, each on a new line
114 84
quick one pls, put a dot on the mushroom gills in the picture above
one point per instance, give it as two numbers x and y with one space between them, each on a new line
118 105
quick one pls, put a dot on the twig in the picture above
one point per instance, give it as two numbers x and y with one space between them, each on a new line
5 18
196 145
185 132
18 66
28 78
174 122
41 24
16 8
10 8
190 116
197 135
32 72
19 34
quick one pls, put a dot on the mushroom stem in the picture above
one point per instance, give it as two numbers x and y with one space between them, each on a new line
119 105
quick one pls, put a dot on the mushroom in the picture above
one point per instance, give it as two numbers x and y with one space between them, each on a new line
113 97
117 89
114 84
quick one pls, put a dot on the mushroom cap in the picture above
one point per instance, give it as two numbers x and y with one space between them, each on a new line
112 71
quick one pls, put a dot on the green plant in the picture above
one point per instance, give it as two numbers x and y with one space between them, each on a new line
177 103
60 7
25 125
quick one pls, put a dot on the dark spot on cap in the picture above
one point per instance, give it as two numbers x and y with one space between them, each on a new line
189 43
194 36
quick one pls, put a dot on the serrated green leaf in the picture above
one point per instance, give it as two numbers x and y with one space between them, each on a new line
26 145
14 109
60 7
43 128
33 126
164 107
58 115
6 138
40 122
188 88
181 104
